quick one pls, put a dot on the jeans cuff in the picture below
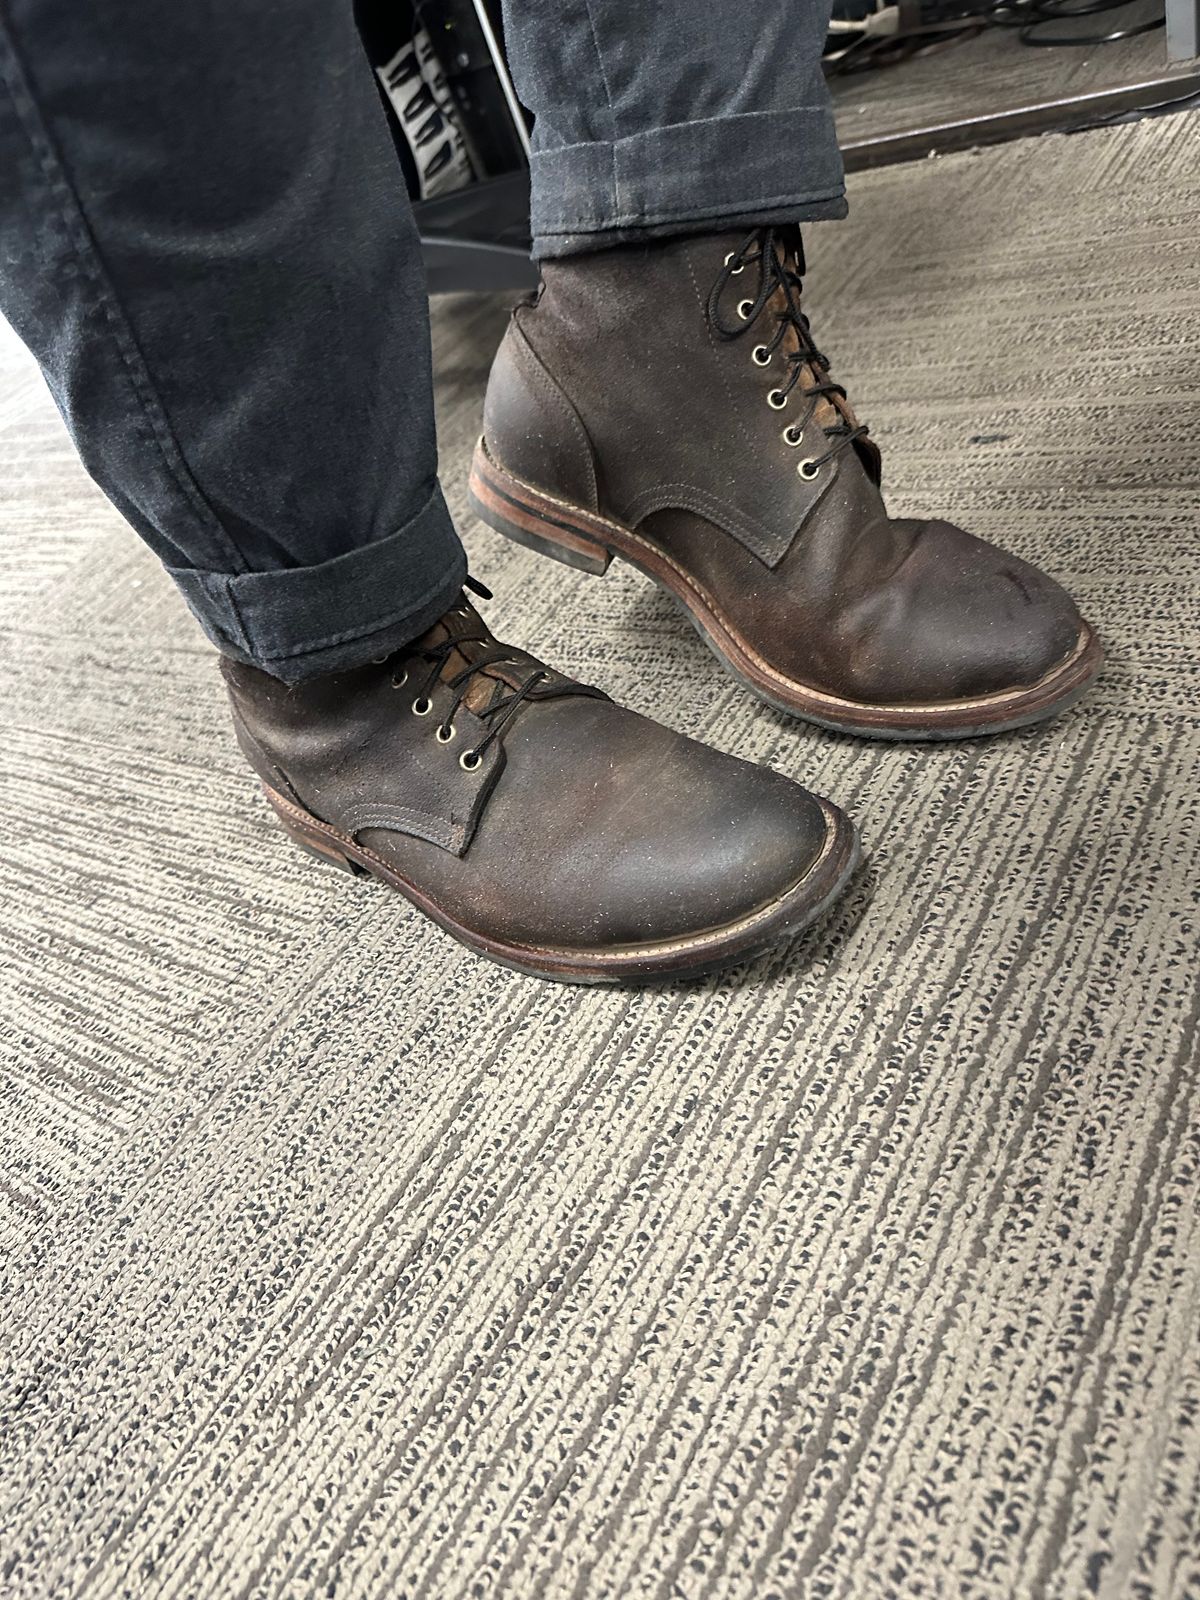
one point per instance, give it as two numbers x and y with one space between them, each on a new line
686 176
301 622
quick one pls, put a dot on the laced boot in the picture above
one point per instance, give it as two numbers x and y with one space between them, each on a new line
534 819
667 404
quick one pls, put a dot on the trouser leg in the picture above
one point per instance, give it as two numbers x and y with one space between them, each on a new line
205 240
678 117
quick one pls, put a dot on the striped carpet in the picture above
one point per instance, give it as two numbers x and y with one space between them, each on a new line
339 1263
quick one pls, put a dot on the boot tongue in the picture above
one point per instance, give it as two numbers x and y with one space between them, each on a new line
831 409
497 679
828 412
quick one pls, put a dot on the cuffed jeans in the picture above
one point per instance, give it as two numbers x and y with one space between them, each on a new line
206 243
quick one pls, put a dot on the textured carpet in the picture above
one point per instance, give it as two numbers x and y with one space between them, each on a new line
339 1263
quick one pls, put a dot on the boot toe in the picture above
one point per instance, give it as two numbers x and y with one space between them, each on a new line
730 844
652 837
963 619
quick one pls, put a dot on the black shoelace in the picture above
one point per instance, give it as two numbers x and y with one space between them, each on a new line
503 708
762 249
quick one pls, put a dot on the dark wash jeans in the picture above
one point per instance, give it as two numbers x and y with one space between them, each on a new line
205 241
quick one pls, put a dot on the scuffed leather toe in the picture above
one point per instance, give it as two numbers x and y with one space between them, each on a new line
665 836
958 618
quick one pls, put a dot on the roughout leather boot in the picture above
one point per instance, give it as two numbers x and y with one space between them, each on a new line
667 404
532 818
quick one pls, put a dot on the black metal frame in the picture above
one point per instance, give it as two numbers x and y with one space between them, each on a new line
477 238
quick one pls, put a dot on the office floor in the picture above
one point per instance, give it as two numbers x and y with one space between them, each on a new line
340 1263
987 86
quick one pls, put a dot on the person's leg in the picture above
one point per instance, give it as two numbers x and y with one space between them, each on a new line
663 401
205 240
679 117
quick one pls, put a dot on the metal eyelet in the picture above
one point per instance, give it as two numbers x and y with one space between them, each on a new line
469 760
760 356
793 436
399 682
745 307
776 400
808 469
422 707
736 270
444 735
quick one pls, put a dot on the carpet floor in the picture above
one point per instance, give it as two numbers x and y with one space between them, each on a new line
337 1262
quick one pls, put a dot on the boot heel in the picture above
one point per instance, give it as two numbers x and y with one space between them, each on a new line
307 838
522 513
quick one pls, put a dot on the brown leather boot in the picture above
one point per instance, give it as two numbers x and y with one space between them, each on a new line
666 404
535 820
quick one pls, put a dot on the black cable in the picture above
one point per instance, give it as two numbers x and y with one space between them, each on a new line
1051 11
932 23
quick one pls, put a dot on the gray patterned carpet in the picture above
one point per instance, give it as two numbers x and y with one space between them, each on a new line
338 1263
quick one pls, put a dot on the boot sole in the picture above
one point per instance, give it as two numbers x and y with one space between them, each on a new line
692 957
585 540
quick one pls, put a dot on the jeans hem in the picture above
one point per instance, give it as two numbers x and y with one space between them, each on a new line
683 176
302 622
